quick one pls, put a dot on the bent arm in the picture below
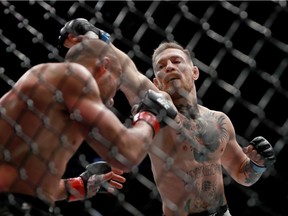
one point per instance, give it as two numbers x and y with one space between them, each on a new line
120 146
236 162
134 82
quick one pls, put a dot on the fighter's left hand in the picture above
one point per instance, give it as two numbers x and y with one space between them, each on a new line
260 151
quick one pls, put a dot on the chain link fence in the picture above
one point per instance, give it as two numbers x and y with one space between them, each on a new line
240 47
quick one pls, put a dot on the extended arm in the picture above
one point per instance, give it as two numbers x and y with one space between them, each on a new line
134 83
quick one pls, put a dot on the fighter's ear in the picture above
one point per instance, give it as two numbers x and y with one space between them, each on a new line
195 72
103 66
156 83
106 62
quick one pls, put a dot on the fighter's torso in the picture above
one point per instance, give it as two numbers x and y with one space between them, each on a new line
190 178
37 135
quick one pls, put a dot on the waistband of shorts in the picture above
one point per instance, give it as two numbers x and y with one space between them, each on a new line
18 198
220 211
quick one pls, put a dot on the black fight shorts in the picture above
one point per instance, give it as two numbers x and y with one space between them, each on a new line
220 211
13 204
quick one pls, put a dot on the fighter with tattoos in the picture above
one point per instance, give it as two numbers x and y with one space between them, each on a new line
187 160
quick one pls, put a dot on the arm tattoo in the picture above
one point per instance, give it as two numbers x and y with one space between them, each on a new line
250 174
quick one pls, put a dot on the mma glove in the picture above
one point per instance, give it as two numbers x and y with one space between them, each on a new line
88 183
80 26
264 148
155 110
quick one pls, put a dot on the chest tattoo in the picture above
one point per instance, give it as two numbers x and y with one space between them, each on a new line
203 135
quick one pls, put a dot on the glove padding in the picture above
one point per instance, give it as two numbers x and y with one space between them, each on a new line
264 148
156 104
80 26
88 183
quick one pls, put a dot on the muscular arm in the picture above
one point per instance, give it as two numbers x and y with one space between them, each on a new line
61 191
123 148
236 162
134 83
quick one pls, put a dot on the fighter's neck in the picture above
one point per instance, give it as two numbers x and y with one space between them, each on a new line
190 109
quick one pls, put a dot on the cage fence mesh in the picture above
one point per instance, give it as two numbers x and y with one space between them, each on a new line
240 48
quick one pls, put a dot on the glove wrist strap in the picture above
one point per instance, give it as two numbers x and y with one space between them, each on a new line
256 167
75 189
149 118
105 37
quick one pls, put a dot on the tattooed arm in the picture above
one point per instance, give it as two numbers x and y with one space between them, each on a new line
236 162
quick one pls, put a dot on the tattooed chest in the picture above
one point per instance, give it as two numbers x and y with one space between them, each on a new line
203 136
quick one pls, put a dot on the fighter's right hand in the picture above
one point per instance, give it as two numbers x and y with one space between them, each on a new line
80 26
155 110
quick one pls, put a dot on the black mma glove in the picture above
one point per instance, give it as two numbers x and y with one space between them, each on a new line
80 26
88 183
264 148
155 110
